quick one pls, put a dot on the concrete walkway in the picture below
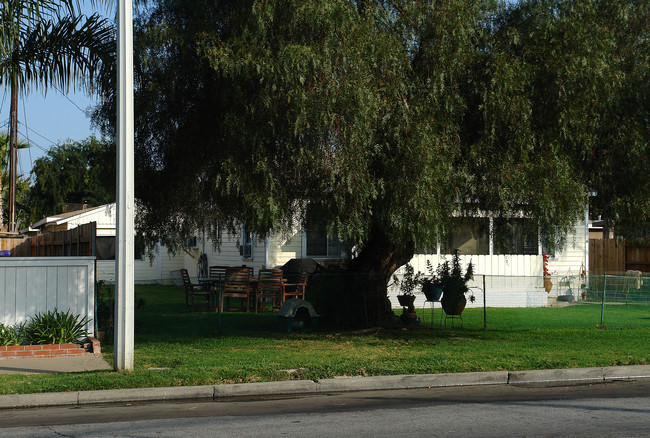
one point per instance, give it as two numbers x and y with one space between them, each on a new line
293 387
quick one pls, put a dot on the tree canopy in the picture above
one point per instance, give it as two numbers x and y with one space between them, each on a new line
81 172
380 120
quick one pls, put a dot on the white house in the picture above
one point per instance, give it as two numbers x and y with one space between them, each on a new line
513 272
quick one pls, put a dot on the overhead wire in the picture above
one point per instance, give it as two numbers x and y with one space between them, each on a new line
71 101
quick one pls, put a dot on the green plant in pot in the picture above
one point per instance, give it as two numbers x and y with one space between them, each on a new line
432 284
454 285
407 285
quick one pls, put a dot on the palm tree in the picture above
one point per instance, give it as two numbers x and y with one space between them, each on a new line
47 43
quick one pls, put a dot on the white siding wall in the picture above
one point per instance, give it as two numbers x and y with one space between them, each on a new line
281 250
31 285
105 218
145 271
226 255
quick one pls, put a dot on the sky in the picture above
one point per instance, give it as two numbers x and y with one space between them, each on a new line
47 120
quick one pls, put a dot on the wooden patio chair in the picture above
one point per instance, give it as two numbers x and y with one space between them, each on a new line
269 285
192 290
217 272
236 284
295 289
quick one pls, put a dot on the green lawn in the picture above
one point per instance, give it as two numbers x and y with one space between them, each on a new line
250 348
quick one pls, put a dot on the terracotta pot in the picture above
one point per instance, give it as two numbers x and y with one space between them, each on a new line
548 284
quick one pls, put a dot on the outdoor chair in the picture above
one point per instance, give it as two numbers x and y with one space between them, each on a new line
192 290
269 285
237 285
217 272
295 289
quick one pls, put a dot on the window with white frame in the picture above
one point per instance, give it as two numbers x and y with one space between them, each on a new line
515 236
319 244
470 236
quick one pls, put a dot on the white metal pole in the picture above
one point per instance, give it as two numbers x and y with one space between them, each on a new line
123 357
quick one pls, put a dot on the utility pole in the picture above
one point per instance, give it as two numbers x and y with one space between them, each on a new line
124 342
13 153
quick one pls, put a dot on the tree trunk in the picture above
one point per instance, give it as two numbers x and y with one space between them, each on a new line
378 260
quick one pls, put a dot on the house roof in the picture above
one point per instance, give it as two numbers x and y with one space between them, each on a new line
66 217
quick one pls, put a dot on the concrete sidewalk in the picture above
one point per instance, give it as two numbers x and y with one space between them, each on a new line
304 387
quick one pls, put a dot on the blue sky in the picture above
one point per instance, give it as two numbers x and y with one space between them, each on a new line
45 121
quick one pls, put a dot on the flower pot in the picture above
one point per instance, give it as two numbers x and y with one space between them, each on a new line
454 305
433 293
548 284
406 300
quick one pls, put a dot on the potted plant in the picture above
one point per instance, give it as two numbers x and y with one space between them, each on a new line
454 285
432 284
410 280
548 284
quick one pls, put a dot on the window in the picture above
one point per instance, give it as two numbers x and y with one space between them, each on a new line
515 236
190 242
105 248
470 236
321 245
246 247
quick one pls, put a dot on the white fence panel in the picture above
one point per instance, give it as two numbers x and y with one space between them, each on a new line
31 285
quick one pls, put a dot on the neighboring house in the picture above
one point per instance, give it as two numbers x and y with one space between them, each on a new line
145 270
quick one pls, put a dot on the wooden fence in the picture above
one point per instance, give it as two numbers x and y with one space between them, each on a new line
77 242
615 256
637 256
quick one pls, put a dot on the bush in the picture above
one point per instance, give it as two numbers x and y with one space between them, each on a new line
54 327
12 335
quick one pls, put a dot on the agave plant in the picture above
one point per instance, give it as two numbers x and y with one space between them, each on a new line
54 327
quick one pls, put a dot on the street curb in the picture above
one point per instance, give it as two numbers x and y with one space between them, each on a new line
341 384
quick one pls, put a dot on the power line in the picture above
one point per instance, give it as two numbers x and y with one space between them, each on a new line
34 143
71 101
52 143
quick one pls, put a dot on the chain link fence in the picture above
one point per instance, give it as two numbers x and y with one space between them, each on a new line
494 302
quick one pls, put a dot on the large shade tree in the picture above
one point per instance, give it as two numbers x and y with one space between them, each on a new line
46 43
377 120
80 172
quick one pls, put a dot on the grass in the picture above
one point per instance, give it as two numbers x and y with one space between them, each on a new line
175 347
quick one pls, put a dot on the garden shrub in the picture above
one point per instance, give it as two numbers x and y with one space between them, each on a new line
54 327
12 335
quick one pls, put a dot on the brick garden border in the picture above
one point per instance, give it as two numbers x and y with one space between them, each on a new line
90 347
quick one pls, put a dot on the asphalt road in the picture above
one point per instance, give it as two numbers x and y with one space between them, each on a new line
599 410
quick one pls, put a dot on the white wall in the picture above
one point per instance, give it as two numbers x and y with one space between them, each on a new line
145 271
31 285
